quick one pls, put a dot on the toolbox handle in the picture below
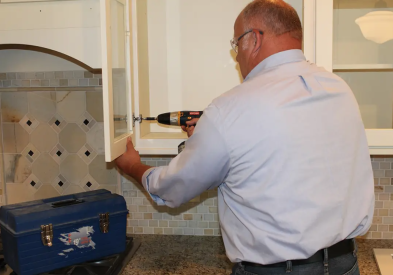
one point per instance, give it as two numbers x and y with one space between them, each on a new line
66 203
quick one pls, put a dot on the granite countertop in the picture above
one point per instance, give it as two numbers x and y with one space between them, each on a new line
188 255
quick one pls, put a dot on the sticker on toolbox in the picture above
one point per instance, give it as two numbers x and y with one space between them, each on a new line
82 238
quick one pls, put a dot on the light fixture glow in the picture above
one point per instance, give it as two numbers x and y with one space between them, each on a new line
377 26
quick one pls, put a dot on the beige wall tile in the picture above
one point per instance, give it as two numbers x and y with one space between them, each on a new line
376 235
163 223
9 139
382 227
95 138
42 105
112 188
102 172
17 193
94 105
73 189
13 106
44 138
148 216
383 212
16 168
45 168
22 138
45 191
72 138
71 105
73 169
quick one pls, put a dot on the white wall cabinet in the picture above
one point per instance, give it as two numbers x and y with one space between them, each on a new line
362 54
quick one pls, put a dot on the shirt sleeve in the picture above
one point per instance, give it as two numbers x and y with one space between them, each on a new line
202 165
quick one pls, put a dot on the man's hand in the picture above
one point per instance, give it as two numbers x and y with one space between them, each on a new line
129 159
191 126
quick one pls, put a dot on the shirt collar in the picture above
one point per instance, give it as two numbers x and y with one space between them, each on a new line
277 59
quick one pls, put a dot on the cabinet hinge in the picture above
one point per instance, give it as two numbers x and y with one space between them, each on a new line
47 234
139 119
104 223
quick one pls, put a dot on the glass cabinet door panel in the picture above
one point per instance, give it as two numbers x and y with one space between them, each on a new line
363 56
119 66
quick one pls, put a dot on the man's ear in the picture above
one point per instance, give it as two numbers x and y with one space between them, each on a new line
257 41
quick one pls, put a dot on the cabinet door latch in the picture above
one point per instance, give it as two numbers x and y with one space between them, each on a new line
104 223
47 234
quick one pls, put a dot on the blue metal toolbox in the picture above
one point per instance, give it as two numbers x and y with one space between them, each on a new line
44 235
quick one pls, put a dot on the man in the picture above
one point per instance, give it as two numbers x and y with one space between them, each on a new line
286 149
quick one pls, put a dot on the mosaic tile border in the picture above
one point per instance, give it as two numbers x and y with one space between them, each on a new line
50 79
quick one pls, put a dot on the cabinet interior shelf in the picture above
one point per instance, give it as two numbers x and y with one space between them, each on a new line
362 67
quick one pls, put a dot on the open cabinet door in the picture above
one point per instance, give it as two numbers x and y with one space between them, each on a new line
116 76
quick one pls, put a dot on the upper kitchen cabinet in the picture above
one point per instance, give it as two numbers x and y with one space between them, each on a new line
69 29
182 60
355 41
95 34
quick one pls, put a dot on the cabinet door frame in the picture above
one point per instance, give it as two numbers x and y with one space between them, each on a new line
380 141
114 146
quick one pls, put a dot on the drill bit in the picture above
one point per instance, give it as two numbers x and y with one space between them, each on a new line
149 118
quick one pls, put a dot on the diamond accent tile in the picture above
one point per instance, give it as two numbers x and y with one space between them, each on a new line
87 153
57 123
87 122
29 123
32 183
31 153
59 153
88 183
61 184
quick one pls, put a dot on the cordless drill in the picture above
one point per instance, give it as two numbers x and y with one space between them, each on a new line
176 118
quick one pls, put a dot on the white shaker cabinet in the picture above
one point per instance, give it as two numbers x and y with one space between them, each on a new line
156 56
355 41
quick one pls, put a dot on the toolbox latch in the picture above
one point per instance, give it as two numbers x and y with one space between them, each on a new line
104 223
47 234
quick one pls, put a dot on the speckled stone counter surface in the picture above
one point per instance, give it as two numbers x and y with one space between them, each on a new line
189 255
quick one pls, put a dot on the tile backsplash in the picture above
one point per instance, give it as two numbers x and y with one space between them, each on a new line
53 144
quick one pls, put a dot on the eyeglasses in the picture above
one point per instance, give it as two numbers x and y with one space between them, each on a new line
235 41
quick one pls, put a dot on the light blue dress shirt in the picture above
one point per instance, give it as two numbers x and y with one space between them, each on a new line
288 152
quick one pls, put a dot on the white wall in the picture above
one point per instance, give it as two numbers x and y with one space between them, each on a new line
30 61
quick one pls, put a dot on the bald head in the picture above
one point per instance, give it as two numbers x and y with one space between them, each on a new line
270 27
273 16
